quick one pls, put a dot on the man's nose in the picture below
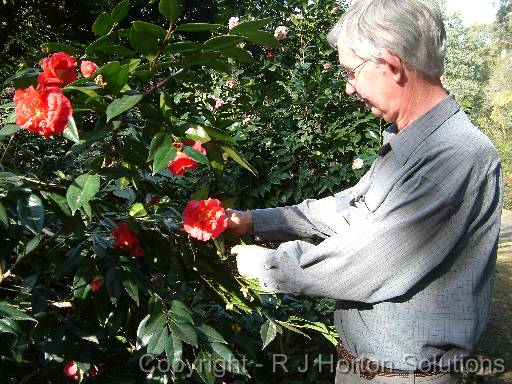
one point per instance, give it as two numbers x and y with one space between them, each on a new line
350 89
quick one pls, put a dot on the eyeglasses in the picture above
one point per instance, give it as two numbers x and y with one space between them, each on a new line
350 75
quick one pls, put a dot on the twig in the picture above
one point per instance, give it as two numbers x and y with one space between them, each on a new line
162 83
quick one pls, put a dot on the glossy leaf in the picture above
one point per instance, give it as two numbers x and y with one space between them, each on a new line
197 27
185 332
103 24
198 133
158 341
120 11
260 38
30 211
205 368
209 334
195 155
239 159
180 313
71 132
249 26
9 311
9 129
268 332
171 9
162 152
3 214
222 42
113 282
83 189
122 105
138 210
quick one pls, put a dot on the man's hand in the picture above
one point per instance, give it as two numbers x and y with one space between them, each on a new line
249 259
239 222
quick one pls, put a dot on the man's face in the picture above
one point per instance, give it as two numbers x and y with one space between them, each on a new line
372 82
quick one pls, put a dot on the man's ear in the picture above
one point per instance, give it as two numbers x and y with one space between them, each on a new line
395 66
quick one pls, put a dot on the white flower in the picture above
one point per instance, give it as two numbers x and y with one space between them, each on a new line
280 32
327 67
357 164
233 22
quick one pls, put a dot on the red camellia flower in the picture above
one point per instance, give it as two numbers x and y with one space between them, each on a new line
126 240
96 283
58 70
182 162
71 370
88 68
270 55
42 110
204 219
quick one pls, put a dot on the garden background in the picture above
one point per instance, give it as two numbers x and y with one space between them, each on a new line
276 127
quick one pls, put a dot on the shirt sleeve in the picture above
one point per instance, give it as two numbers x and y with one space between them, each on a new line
387 253
311 218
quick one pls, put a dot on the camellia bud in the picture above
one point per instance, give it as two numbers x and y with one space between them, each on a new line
88 68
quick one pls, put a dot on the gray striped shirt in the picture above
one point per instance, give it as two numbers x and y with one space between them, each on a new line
409 252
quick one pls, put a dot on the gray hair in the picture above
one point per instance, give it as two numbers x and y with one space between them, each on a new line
411 29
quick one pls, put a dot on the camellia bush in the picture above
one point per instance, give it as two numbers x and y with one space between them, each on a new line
119 158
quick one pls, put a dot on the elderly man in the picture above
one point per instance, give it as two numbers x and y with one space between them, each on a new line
409 252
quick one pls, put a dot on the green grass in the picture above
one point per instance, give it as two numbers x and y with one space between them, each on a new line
503 142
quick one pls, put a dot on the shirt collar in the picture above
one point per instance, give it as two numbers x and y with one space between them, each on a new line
405 142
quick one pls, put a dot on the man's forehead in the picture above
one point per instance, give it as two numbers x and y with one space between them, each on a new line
346 56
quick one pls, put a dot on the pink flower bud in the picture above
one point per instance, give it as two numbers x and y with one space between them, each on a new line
88 68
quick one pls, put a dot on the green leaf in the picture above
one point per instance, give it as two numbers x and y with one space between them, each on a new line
166 105
209 334
180 313
114 283
3 214
149 28
138 210
158 341
202 194
61 202
219 135
239 159
183 47
260 38
185 332
148 327
9 326
27 74
197 27
216 158
205 368
83 189
9 129
144 43
171 9
174 350
222 42
268 332
103 24
102 41
196 155
249 26
162 151
58 47
198 133
121 105
30 211
131 288
9 311
197 59
120 11
225 358
71 132
239 54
